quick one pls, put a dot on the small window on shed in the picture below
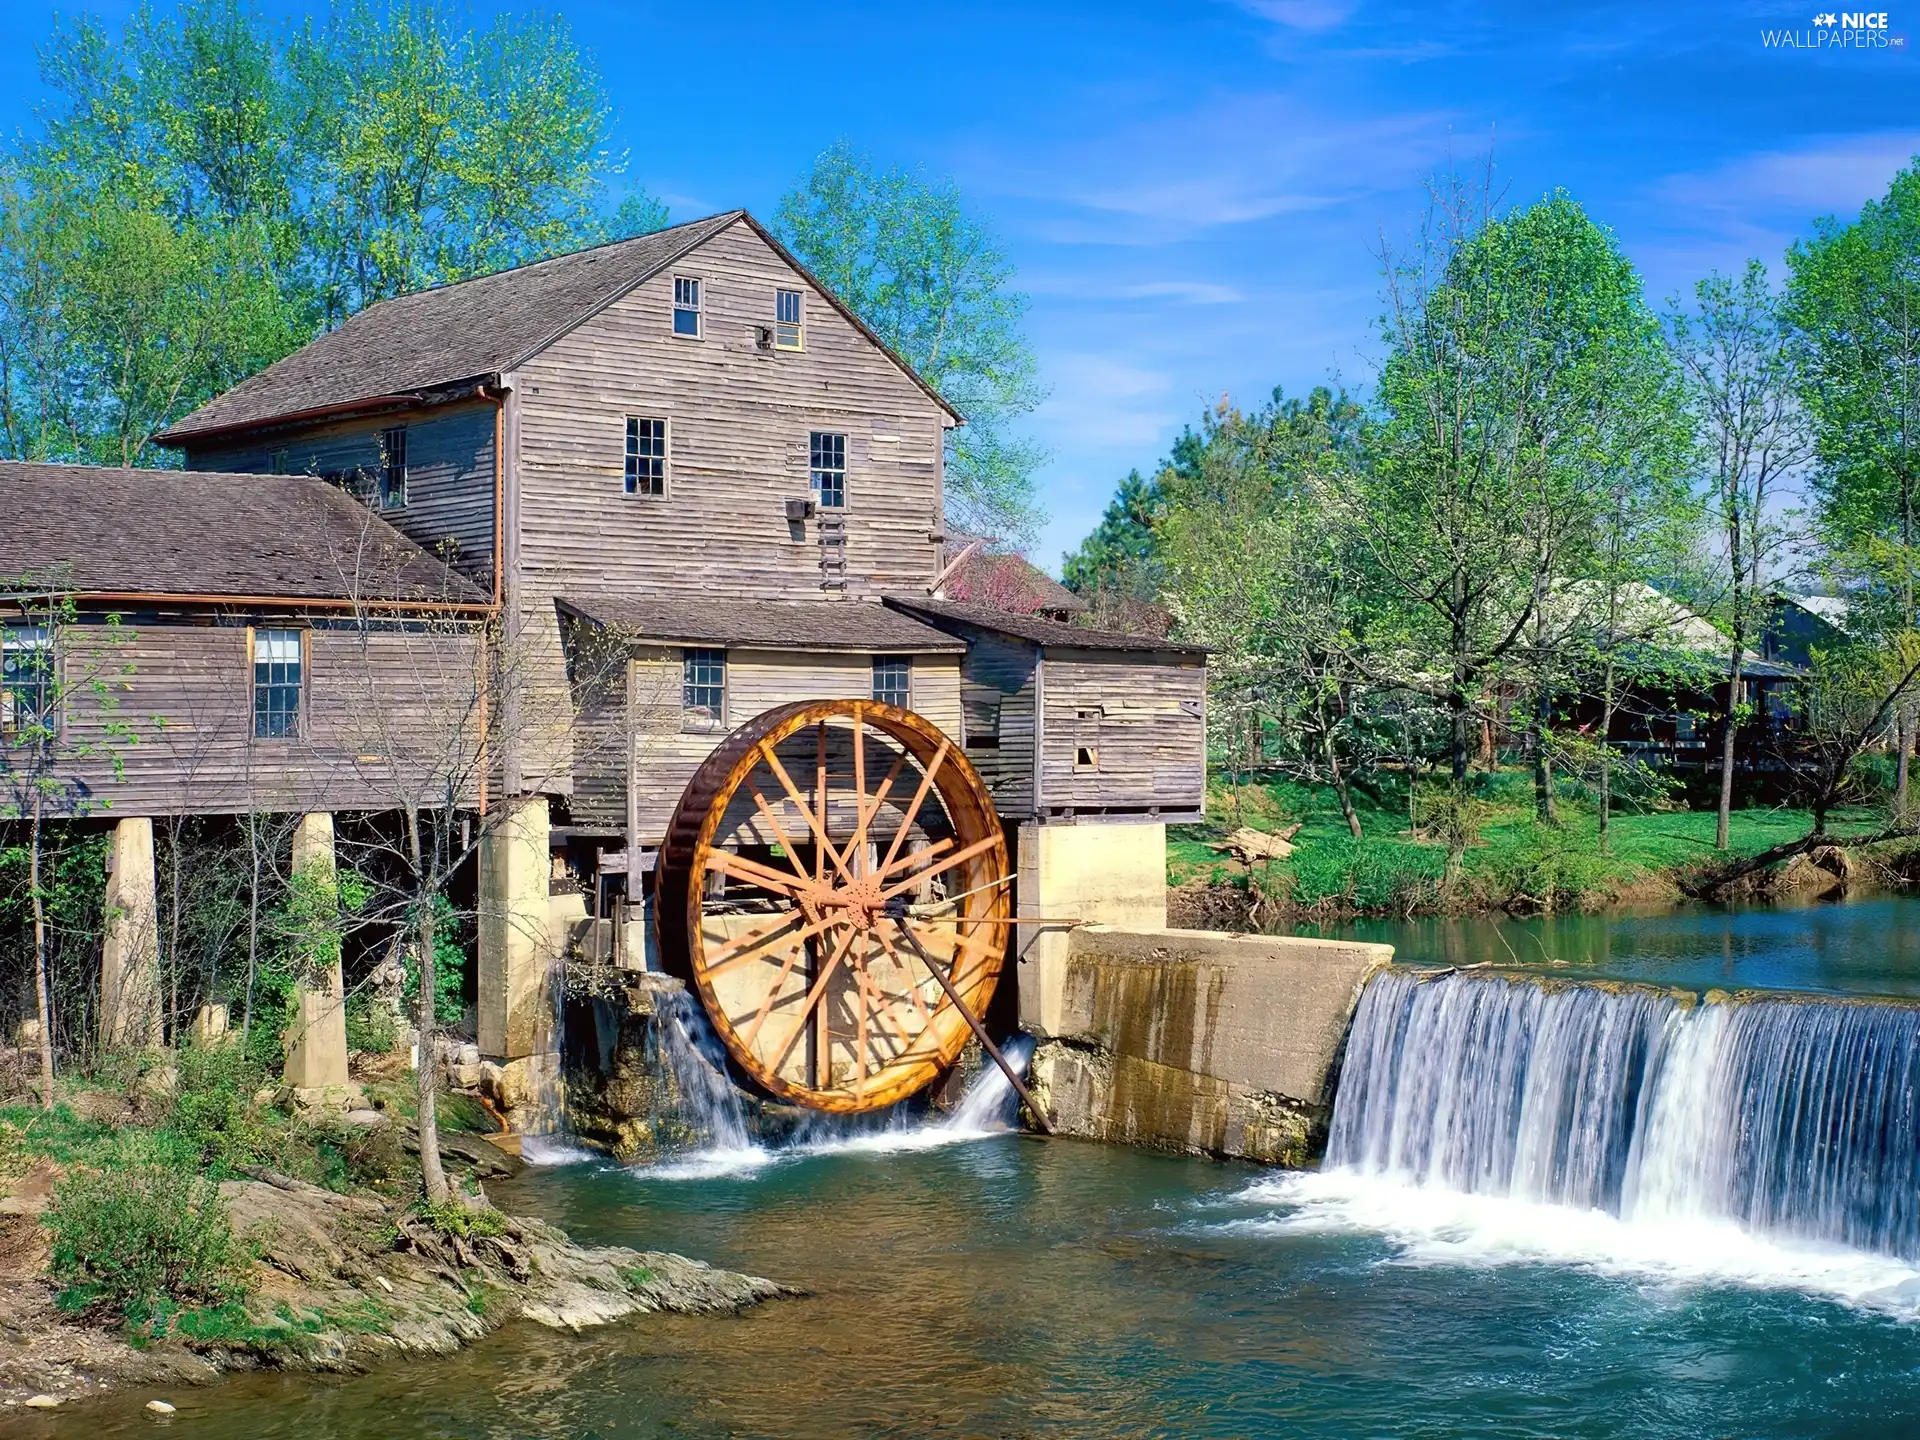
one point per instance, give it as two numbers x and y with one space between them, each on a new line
703 687
277 462
686 306
27 687
1086 757
276 684
787 331
893 679
393 468
646 456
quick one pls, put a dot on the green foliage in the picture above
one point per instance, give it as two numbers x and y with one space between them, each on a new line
207 190
905 256
138 1233
459 1220
213 1112
449 965
1121 553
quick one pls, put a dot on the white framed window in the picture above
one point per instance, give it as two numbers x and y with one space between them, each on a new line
393 468
893 680
827 468
646 467
278 676
27 687
686 306
703 688
788 333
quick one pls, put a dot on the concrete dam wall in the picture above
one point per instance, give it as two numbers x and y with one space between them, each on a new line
1199 1041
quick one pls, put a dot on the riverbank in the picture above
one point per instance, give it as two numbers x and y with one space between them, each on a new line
199 1260
1514 863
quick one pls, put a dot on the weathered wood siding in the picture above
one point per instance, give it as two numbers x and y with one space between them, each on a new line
1142 719
663 753
383 710
999 692
450 471
738 421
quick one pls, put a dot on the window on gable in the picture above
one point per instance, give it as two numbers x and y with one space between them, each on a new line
703 687
686 306
393 468
27 688
893 679
276 684
827 468
646 456
787 334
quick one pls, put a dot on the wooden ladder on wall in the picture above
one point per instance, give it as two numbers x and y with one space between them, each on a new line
833 552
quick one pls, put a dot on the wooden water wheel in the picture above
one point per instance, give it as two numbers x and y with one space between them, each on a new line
834 886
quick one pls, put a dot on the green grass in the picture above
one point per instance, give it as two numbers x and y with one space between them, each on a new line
1517 861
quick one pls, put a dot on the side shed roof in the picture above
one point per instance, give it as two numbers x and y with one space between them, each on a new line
820 625
1048 634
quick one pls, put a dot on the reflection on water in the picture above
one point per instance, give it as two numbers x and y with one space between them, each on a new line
1018 1287
1869 947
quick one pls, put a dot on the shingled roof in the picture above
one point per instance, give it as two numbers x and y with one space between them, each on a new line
468 332
207 534
1048 634
850 625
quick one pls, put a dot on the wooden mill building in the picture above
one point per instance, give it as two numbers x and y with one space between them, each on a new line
692 485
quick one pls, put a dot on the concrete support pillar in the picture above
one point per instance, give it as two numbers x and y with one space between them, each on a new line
130 956
1113 874
517 942
317 1037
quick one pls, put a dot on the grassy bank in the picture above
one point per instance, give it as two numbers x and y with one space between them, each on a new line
1514 862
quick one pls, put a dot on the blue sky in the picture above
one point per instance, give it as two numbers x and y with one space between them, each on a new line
1194 193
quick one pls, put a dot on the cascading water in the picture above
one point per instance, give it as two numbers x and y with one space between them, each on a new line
1788 1118
709 1105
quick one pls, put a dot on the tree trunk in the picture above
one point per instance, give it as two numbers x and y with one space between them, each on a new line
253 928
1903 742
1340 786
42 990
1723 823
433 1175
1544 803
1606 752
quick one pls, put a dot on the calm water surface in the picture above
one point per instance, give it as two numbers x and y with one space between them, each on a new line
1015 1287
1869 946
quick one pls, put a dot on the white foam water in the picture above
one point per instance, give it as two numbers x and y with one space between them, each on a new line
988 1108
1487 1120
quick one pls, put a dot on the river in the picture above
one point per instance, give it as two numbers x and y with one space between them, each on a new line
1558 1273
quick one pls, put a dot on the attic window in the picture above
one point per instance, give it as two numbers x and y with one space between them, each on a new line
787 333
686 306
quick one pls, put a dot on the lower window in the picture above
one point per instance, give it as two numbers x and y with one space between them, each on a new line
276 684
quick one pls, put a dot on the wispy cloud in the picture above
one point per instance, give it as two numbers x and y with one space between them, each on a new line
1832 173
1098 401
1300 14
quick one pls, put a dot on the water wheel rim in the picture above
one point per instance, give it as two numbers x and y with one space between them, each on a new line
896 1050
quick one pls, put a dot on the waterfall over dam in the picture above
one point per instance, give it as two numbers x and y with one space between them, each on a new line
1789 1117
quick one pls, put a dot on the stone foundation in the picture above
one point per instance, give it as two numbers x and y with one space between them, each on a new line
1201 1042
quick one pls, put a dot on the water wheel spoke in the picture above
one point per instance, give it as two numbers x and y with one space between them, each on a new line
913 990
752 1032
820 792
927 779
860 1032
959 857
793 793
868 810
854 854
725 862
780 834
918 857
818 989
740 948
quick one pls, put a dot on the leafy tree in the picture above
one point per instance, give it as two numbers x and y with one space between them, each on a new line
932 282
1523 371
1120 553
1735 350
207 191
1853 295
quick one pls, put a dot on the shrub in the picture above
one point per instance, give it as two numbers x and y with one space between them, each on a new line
139 1235
371 1026
213 1110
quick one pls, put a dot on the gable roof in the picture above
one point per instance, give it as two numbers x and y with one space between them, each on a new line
851 625
469 332
210 535
1048 634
